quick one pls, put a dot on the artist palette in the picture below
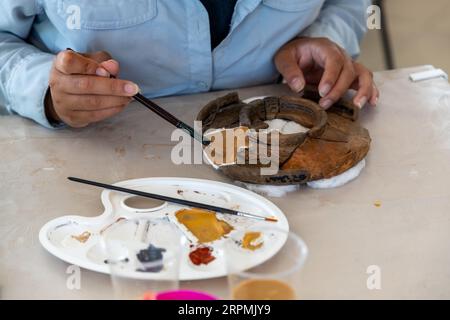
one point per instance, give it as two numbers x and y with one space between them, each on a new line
78 240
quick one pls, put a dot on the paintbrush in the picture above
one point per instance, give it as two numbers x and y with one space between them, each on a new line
174 200
166 115
170 118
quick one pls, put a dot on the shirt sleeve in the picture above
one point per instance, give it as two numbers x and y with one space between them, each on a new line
342 21
24 69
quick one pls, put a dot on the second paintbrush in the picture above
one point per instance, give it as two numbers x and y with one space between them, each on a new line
173 200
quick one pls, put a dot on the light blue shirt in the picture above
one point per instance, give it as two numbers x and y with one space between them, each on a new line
162 45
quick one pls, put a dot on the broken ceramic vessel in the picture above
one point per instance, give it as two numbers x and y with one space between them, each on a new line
333 143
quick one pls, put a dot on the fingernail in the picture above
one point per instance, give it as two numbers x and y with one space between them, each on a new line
101 72
111 61
326 103
297 84
324 90
131 88
362 102
376 101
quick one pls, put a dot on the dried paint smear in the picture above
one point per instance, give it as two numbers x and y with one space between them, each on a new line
111 224
252 241
83 237
203 224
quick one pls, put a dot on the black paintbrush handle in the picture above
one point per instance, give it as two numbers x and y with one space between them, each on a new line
156 196
170 118
157 109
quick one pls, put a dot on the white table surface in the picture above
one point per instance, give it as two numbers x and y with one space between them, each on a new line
408 172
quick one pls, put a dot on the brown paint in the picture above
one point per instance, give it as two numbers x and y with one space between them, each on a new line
261 289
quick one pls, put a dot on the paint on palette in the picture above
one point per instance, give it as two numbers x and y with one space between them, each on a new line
252 241
82 237
201 255
125 260
110 225
203 224
151 259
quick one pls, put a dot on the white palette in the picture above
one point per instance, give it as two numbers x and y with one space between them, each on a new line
56 235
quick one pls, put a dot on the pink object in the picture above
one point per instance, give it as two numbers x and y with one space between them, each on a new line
184 295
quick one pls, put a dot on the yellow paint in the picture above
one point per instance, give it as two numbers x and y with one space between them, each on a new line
203 224
377 204
249 239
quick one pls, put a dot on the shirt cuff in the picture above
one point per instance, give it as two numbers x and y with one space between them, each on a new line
27 87
342 38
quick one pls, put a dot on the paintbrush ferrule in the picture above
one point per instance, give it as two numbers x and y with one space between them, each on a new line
252 216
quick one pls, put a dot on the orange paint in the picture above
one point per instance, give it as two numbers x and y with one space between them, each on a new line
202 255
248 242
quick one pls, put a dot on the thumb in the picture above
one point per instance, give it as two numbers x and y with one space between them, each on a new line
286 62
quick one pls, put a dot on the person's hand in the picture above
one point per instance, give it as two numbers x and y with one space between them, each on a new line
321 62
81 90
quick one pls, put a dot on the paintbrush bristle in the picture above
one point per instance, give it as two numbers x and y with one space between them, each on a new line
271 219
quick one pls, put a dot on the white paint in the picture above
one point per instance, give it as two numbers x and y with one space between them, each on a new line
293 127
285 126
270 190
339 180
281 191
275 124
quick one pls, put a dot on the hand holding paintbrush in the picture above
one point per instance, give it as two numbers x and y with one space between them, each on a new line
84 89
81 90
